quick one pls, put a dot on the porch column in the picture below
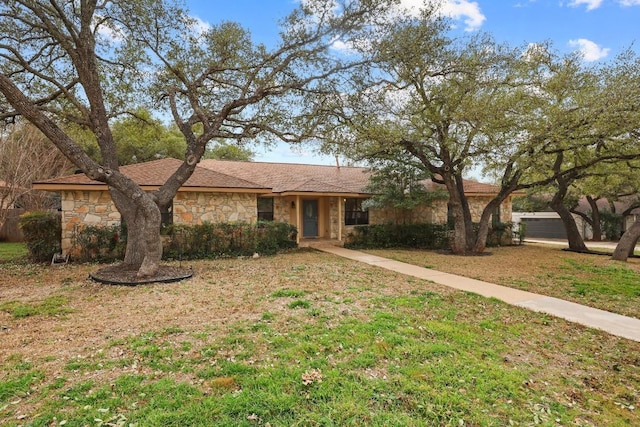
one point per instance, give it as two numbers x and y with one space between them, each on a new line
340 220
298 219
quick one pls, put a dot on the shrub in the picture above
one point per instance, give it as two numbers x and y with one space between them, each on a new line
101 243
422 236
217 240
42 233
500 234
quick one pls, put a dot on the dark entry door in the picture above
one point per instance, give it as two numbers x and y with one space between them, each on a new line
309 218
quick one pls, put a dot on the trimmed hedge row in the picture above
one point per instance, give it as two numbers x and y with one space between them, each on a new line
106 244
419 236
228 239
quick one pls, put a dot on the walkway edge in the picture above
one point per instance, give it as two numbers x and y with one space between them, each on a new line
615 324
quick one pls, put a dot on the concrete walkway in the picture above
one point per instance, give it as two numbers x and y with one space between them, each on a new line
626 327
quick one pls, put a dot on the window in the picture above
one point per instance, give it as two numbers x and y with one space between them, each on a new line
166 215
354 214
265 208
495 217
451 221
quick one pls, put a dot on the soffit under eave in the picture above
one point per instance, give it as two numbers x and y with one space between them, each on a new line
320 194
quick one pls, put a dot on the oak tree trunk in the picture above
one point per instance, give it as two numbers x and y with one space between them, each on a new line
627 243
576 243
483 228
143 220
459 241
596 226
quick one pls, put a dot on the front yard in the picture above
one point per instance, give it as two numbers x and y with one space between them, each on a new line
592 280
302 338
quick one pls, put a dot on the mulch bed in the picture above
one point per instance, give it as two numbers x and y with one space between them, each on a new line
126 276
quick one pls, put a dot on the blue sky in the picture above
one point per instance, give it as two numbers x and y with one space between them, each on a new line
599 28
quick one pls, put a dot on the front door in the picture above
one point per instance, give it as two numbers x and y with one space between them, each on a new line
309 218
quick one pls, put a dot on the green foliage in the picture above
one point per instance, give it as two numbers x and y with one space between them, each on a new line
224 151
611 223
401 186
424 236
214 240
42 233
530 203
138 138
499 234
101 243
419 236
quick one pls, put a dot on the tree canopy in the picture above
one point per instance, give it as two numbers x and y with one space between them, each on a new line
87 62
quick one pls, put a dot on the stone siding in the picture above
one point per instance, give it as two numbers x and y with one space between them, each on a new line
80 208
198 208
436 213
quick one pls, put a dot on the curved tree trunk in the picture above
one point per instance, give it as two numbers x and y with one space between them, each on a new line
459 242
596 225
483 229
143 219
627 243
466 215
576 243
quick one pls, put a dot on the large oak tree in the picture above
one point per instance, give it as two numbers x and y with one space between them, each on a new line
85 62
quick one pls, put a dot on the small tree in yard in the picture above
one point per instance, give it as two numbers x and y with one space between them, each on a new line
26 156
400 186
86 62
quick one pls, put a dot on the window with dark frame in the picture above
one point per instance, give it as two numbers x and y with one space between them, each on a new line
166 215
495 217
265 208
354 214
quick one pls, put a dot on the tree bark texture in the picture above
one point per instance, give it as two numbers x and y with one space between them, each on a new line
459 241
576 243
595 219
627 243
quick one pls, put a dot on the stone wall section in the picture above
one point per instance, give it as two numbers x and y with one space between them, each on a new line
80 208
436 213
198 208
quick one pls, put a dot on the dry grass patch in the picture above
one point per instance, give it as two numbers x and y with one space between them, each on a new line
592 280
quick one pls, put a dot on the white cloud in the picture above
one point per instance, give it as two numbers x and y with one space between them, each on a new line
198 26
468 11
591 4
590 50
629 2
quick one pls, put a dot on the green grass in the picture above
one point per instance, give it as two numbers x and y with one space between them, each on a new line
404 353
12 251
410 362
51 306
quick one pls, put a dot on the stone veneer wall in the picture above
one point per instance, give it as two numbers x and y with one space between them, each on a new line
197 208
282 211
81 208
96 208
437 213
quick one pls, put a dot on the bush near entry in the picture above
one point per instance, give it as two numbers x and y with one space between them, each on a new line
42 233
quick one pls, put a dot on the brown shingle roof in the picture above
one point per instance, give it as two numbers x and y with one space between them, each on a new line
156 172
288 177
277 177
